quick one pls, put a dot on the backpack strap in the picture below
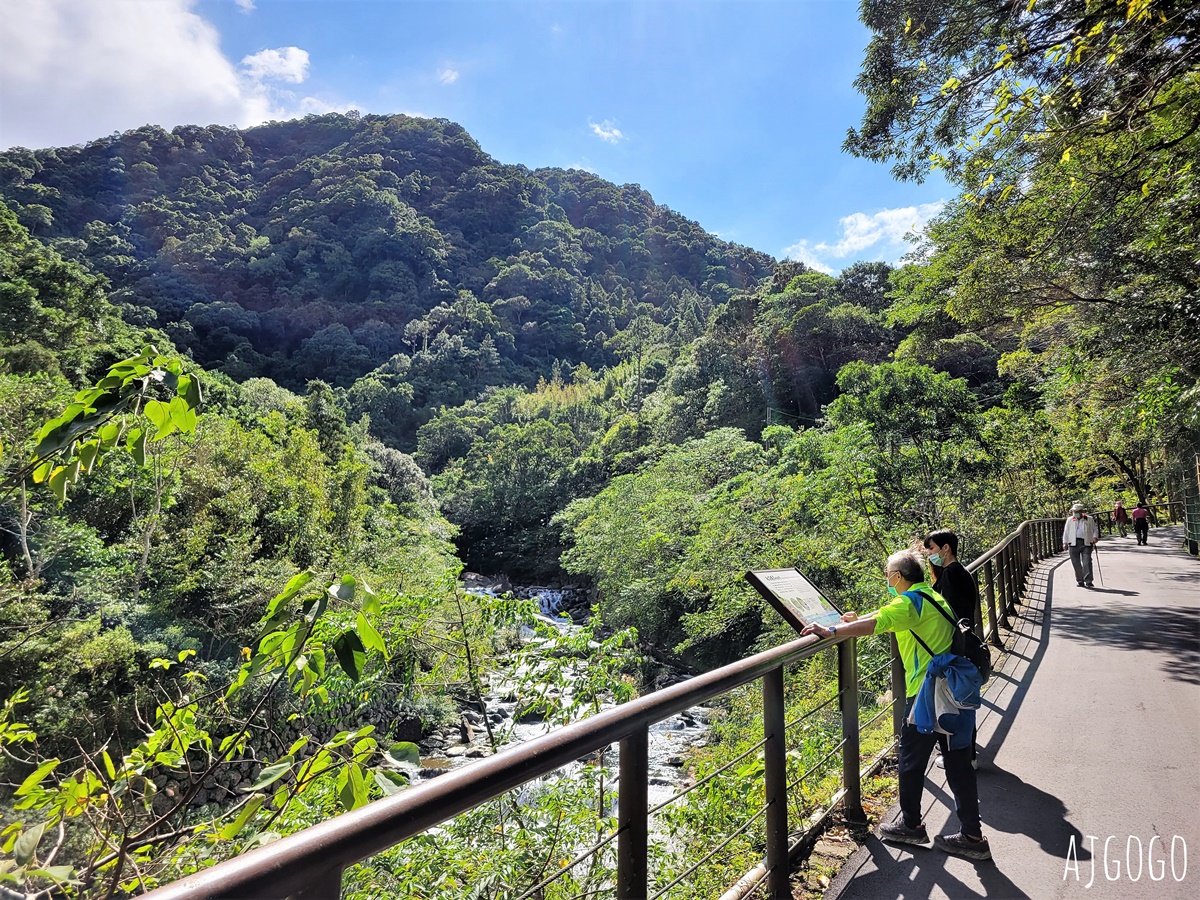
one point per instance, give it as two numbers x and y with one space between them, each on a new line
938 607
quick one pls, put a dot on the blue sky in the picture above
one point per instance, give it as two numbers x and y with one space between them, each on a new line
732 113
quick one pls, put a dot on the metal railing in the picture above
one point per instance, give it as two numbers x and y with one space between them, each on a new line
310 863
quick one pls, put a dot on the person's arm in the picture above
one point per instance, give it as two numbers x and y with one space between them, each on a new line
855 628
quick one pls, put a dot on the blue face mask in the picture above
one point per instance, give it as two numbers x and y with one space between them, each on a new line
936 559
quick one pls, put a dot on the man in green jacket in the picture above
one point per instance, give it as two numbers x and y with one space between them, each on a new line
909 613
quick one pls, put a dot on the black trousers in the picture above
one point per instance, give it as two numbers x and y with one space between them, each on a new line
1141 528
914 759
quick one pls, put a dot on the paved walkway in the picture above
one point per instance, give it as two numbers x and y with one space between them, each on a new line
1090 734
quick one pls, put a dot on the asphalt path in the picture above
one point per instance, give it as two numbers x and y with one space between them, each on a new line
1089 776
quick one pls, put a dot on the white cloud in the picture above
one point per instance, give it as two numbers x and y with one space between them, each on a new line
246 6
801 252
607 131
283 64
74 71
448 76
877 236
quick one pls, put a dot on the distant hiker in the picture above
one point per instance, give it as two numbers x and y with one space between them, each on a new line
1141 523
1080 534
957 585
910 614
1120 516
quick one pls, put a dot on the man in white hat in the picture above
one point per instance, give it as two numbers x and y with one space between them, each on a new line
1080 535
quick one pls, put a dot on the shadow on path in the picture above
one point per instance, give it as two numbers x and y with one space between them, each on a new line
1017 807
1038 618
1174 633
923 872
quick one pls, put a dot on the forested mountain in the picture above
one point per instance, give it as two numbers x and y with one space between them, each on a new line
413 357
338 245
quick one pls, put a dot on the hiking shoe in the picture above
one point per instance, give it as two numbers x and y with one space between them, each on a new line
1089 585
1079 583
900 833
961 845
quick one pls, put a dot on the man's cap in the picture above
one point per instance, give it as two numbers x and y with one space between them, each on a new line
1077 506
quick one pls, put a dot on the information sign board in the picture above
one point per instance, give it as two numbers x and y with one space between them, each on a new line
796 598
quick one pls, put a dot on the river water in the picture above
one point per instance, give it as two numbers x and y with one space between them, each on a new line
669 740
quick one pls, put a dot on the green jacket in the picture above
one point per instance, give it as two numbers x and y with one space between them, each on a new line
907 614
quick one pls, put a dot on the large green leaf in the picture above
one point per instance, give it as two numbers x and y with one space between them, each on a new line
290 590
372 639
158 412
344 589
36 777
26 845
390 782
136 443
182 417
351 654
403 754
273 773
234 828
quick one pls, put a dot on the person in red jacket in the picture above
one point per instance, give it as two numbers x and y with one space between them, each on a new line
1120 516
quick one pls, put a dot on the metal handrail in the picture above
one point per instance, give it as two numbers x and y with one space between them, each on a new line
309 864
286 867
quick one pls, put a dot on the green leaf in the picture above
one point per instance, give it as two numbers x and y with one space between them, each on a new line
273 773
108 765
136 443
344 589
189 389
372 639
26 845
390 782
87 455
36 777
55 873
315 608
182 417
42 472
159 413
234 828
294 586
370 600
58 483
350 653
262 839
403 754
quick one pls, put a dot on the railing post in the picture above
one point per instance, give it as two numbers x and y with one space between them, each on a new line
327 886
633 841
899 688
1022 560
1002 571
851 761
775 762
990 593
1016 575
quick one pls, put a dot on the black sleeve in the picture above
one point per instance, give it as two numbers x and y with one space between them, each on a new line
958 587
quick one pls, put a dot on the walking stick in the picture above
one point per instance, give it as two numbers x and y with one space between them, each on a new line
1096 560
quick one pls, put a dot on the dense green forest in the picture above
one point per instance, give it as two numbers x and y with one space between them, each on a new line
337 359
